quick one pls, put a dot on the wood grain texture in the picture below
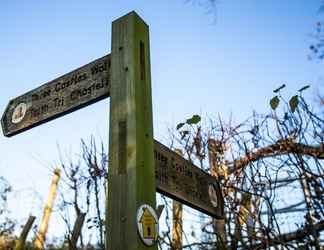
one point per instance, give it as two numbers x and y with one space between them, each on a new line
181 180
131 181
70 92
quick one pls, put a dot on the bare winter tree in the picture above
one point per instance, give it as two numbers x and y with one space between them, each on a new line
7 225
83 191
270 167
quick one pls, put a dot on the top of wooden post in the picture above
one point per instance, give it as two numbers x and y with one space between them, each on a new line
131 14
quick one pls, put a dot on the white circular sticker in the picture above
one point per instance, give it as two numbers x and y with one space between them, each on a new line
19 113
212 195
147 224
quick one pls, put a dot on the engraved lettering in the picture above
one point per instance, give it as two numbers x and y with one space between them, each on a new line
58 102
75 79
41 95
42 110
78 93
98 68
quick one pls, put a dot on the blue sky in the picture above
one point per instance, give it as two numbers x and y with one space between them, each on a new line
201 63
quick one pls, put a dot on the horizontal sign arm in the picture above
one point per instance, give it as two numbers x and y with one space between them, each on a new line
70 92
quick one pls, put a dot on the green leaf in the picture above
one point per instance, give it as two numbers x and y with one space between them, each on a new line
303 88
194 119
274 102
293 103
280 88
180 125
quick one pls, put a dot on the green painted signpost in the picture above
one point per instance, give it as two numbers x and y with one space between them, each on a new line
139 166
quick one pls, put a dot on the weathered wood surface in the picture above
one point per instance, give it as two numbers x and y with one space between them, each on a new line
181 180
56 98
131 179
39 241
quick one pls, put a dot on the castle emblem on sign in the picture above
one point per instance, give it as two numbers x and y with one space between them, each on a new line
19 113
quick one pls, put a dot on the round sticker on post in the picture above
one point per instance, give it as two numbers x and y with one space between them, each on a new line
19 113
147 224
212 192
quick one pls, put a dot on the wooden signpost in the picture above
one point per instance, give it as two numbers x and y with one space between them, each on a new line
70 92
131 181
175 176
181 180
139 166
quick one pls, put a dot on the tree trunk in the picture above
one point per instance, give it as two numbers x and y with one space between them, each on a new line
177 220
177 226
20 243
76 231
215 156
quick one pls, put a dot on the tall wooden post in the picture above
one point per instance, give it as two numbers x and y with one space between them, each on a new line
131 180
40 237
177 220
177 225
216 156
